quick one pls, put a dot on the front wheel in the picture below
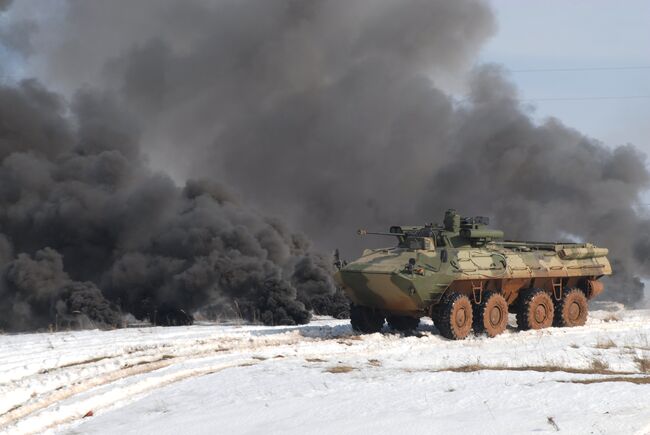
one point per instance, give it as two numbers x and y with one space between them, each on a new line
491 315
365 319
453 316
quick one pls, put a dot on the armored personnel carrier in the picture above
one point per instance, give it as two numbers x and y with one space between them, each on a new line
465 276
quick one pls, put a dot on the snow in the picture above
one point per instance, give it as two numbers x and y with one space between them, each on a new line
323 378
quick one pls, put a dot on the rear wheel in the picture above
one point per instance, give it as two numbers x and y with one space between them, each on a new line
491 315
535 310
454 316
365 319
572 309
402 323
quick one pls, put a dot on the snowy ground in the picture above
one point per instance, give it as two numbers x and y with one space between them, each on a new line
322 378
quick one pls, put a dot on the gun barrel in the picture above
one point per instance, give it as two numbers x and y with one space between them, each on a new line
363 232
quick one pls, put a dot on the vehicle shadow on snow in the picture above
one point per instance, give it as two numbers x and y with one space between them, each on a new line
315 331
336 331
339 331
309 331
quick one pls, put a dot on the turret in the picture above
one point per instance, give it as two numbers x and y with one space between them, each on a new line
472 228
460 230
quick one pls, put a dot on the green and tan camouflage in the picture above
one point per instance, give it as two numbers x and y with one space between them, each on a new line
464 260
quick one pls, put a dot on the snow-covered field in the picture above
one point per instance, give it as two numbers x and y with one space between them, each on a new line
322 378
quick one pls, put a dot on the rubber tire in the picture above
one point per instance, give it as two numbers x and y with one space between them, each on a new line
572 309
365 319
529 316
402 323
491 315
454 316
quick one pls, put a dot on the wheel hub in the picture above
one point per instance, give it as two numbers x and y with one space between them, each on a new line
461 317
540 313
495 315
574 311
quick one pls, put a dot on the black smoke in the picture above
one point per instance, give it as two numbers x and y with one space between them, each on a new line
80 211
331 115
38 293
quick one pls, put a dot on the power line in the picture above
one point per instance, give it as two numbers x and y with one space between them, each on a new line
594 98
604 68
611 97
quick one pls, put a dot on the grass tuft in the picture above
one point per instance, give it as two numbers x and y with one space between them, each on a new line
339 369
599 366
643 363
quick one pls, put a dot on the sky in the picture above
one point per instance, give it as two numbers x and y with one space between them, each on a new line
587 36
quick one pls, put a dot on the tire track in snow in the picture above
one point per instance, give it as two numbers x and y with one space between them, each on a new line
140 373
138 365
62 414
76 388
100 366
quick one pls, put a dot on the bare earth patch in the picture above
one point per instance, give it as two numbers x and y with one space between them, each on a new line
597 368
633 380
339 369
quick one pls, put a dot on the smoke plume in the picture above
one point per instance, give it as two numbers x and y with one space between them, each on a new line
75 191
39 291
330 115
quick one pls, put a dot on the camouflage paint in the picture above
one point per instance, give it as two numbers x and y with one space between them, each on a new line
383 279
